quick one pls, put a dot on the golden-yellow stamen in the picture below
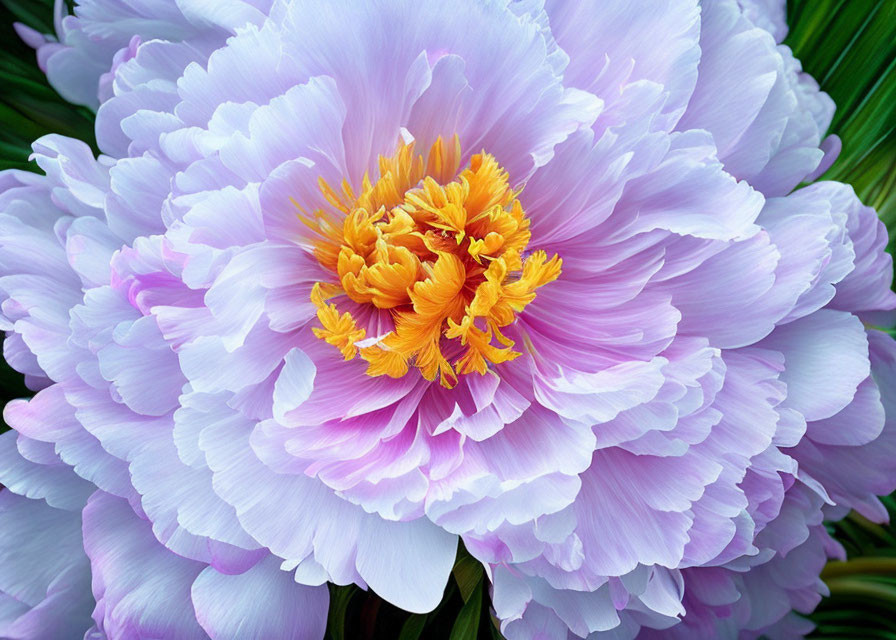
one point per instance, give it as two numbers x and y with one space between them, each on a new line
441 250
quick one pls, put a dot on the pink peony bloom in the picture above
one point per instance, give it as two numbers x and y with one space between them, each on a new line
351 282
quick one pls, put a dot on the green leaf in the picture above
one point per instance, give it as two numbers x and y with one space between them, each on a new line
495 629
849 46
413 627
466 627
29 107
340 599
468 573
865 589
37 14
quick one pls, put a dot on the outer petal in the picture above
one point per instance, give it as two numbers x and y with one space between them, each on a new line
48 479
852 455
44 574
264 602
867 289
660 47
44 582
141 588
766 119
771 15
813 388
406 562
102 33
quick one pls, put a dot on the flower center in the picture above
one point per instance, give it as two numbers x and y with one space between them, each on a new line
441 251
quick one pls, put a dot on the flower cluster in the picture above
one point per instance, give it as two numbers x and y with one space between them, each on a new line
351 282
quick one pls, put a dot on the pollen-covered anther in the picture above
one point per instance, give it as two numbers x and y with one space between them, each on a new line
442 251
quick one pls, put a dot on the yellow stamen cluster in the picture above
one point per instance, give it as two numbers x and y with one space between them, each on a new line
440 250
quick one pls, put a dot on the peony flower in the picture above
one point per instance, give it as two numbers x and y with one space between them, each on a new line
351 282
81 59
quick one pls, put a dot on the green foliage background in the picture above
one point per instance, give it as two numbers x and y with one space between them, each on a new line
849 46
